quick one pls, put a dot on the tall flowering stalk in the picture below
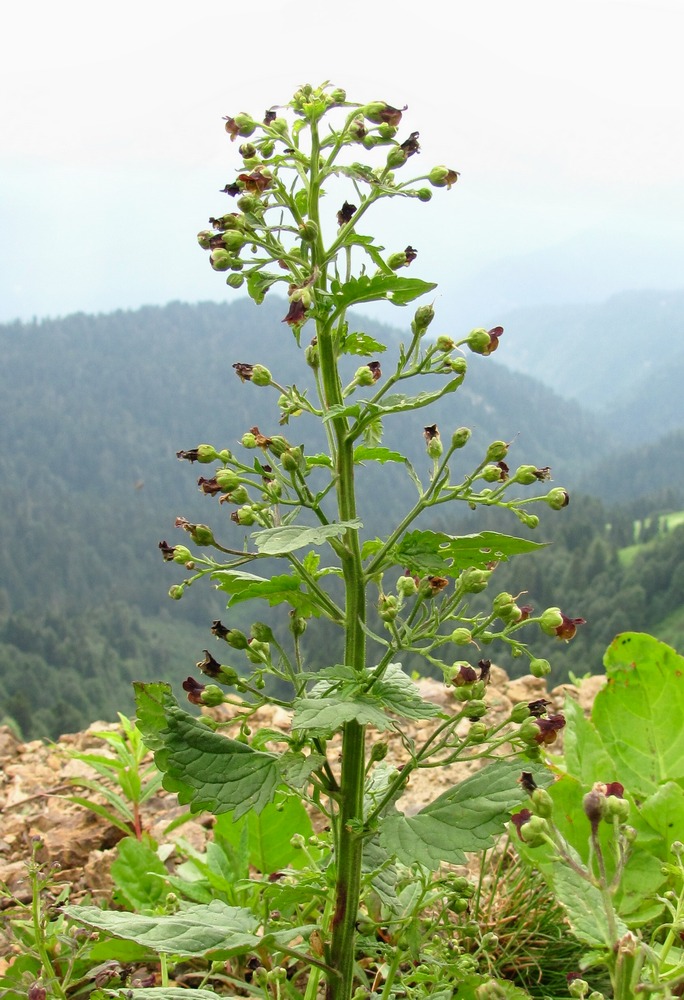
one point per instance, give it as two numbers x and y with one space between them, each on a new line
306 510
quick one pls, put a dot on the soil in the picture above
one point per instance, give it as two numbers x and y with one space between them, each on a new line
36 778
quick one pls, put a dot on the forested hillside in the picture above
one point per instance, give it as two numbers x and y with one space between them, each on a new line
92 412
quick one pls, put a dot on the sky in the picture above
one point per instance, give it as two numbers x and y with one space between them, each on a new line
564 120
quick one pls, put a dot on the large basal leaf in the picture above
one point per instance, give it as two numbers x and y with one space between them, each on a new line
290 537
213 929
269 834
464 819
586 757
640 712
138 874
206 770
446 555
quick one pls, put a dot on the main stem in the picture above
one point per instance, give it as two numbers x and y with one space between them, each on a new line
349 842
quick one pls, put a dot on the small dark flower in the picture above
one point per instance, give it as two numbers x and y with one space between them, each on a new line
296 314
219 630
542 474
232 128
194 690
566 630
376 370
167 551
504 471
525 612
465 675
261 440
385 114
430 433
494 335
231 189
411 145
549 729
256 182
519 819
436 583
209 665
269 116
345 214
527 781
191 455
538 708
615 788
411 255
208 486
243 371
485 667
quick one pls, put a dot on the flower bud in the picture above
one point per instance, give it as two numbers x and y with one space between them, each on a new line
245 517
444 343
542 803
181 555
461 636
338 95
540 668
397 260
220 260
363 376
497 451
387 607
460 437
235 280
379 751
473 580
435 447
557 498
311 354
407 586
261 376
422 318
476 709
293 460
442 177
248 440
477 732
551 620
535 831
233 241
245 125
176 592
308 231
594 805
227 479
212 696
297 624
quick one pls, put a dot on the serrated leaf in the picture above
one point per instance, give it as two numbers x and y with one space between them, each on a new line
640 711
401 696
207 771
138 874
325 716
390 287
284 588
313 461
364 453
289 538
464 819
297 768
269 834
214 929
446 555
152 993
361 344
259 282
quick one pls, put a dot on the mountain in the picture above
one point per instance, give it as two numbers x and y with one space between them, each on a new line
92 412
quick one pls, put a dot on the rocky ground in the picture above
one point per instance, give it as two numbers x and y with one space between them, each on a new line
36 778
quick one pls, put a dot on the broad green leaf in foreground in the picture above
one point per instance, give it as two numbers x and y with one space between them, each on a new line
139 874
401 696
214 930
325 716
269 834
446 555
466 818
640 712
284 588
390 287
280 541
207 770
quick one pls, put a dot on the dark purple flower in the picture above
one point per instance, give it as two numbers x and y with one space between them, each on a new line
549 729
345 214
209 666
519 819
256 182
194 690
411 145
243 371
376 370
568 627
167 551
527 781
296 313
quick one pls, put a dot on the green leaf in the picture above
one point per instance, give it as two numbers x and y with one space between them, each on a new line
284 588
152 993
269 834
446 555
138 874
401 696
259 282
325 716
207 770
390 287
215 930
296 768
466 818
289 538
361 344
319 460
365 454
640 712
586 757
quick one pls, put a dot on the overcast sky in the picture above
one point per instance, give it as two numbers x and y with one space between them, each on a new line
564 119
